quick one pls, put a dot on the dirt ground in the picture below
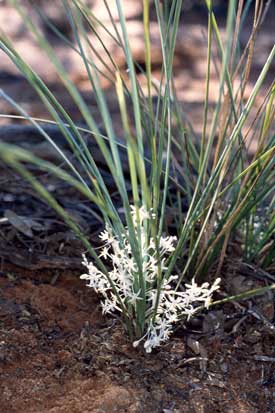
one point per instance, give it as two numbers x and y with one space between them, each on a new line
57 352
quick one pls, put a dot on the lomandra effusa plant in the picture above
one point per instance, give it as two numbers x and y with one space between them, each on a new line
182 199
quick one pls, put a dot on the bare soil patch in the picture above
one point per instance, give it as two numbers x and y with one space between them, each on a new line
58 354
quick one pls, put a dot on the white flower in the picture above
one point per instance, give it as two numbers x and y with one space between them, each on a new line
107 306
134 297
107 236
164 305
166 244
104 252
143 214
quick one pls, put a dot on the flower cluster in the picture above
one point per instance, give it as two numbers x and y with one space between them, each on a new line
164 305
172 306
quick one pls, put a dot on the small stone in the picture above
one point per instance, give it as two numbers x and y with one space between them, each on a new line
224 367
115 399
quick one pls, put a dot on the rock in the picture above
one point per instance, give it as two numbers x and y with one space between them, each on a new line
114 399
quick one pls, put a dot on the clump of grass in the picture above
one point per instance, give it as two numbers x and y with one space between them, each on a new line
217 190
